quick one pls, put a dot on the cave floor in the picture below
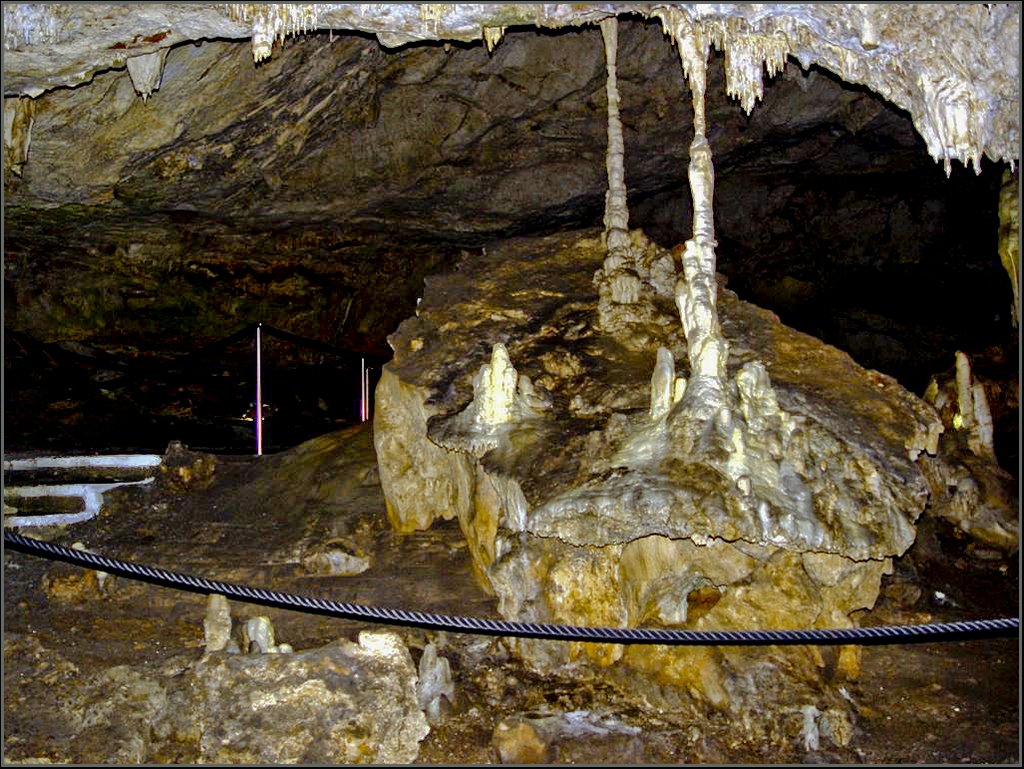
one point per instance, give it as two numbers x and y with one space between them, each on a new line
250 520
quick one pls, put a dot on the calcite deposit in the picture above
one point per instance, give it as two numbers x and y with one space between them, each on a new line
782 510
727 503
925 59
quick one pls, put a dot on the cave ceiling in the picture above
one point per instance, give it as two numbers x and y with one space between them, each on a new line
186 168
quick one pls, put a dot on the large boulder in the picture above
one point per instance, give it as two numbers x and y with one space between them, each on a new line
592 491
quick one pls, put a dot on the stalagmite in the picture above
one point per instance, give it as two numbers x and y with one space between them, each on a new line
435 682
973 413
146 72
496 388
217 623
663 383
19 114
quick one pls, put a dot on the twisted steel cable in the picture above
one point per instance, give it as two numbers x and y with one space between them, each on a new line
943 631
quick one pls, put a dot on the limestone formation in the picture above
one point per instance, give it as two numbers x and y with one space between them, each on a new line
344 703
217 623
335 563
146 71
900 51
783 508
973 414
1009 235
435 683
968 487
19 114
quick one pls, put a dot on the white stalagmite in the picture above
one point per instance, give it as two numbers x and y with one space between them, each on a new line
146 72
663 382
697 290
495 388
981 439
973 413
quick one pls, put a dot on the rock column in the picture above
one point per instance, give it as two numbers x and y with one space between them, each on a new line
618 267
697 290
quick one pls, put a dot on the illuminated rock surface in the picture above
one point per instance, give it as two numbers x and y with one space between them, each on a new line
782 513
605 464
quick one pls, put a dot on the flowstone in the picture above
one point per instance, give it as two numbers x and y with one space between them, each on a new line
624 501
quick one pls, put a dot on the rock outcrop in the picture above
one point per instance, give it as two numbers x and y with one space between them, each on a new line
617 498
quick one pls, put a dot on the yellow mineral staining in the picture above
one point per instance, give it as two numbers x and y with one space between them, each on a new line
19 114
1009 235
434 12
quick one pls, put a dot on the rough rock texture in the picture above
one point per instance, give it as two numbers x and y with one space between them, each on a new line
782 511
903 52
238 192
353 703
344 703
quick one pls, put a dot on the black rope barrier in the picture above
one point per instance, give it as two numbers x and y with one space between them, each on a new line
886 634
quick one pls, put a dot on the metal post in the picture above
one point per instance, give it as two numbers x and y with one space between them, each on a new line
367 388
259 392
362 389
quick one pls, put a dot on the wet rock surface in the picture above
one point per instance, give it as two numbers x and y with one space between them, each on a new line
122 676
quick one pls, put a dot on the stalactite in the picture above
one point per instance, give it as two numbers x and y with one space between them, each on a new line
492 36
146 72
1009 236
19 115
274 21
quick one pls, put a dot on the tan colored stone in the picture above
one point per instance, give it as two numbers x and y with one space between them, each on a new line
518 743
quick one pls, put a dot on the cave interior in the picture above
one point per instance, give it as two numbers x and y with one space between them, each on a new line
150 224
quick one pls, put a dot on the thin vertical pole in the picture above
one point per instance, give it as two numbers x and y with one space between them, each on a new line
259 392
369 408
362 389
